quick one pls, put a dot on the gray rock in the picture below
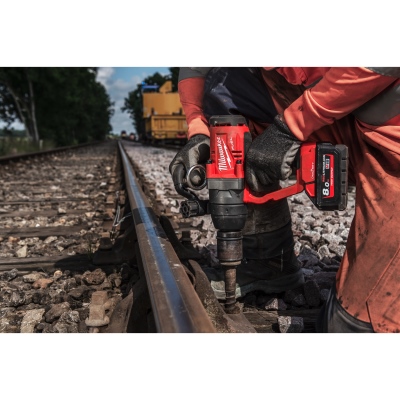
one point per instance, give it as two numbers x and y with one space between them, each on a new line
324 279
312 293
10 322
324 252
17 298
56 311
22 252
331 268
275 304
69 284
57 275
311 236
291 294
31 318
82 327
44 327
94 278
297 248
31 278
50 239
79 292
331 238
9 275
106 285
58 296
67 323
299 300
289 324
307 272
308 260
308 220
337 249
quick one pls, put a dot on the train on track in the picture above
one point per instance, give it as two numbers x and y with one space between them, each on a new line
132 136
163 116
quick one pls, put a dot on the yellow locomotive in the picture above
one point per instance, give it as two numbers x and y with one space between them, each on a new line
164 119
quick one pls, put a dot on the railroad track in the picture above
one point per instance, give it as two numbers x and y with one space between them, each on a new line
88 245
320 239
70 231
55 207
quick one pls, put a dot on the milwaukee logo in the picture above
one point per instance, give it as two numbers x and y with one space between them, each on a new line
223 155
232 144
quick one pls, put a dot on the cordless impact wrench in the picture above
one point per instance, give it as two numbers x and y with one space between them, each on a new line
321 171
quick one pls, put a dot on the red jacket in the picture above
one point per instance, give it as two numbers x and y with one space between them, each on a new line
372 97
330 94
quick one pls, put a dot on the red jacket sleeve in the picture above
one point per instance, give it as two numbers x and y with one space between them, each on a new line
339 92
191 96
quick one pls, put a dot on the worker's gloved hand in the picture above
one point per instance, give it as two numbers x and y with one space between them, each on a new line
195 151
270 156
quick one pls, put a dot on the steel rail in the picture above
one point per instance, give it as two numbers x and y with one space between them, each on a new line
176 305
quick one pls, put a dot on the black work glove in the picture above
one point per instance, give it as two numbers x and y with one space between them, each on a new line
270 156
195 151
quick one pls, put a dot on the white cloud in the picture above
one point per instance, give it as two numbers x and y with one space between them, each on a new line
104 74
118 90
15 125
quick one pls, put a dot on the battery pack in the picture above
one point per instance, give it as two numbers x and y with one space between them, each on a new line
331 182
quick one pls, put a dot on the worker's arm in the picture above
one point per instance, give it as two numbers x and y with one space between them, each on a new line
338 93
197 149
191 89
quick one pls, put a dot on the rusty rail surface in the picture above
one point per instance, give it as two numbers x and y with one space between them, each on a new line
176 305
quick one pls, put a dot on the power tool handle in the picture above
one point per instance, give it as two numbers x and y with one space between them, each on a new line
282 193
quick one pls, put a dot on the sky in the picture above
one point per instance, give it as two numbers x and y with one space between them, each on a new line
119 81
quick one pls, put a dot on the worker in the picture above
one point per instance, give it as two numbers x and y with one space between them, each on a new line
269 262
356 106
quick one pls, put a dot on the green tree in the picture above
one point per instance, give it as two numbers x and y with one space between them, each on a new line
69 105
75 108
18 100
174 71
133 103
8 110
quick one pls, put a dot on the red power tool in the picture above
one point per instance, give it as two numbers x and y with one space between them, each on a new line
321 171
